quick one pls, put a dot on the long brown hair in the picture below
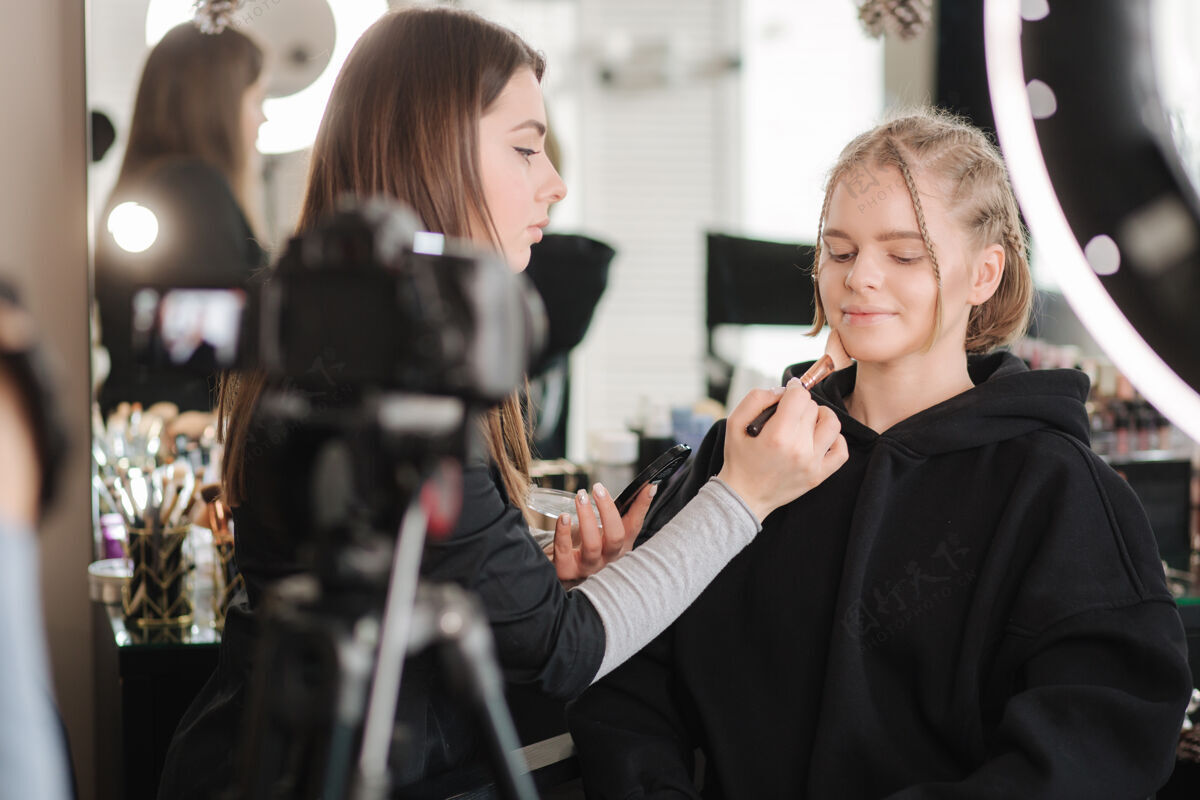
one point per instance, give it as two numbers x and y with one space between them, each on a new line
189 103
958 156
402 122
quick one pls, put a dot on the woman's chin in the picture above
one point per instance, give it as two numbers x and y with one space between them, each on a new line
518 260
872 352
858 346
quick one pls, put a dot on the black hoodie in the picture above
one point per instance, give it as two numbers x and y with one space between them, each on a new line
971 607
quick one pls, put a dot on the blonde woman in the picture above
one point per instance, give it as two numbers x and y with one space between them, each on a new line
977 607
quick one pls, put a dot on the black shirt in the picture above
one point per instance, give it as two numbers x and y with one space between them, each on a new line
546 638
972 607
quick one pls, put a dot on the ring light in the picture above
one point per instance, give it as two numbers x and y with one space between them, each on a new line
1102 184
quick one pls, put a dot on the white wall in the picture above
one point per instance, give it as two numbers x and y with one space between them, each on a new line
43 232
813 80
654 175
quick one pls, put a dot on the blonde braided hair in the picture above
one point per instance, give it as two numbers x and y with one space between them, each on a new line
949 150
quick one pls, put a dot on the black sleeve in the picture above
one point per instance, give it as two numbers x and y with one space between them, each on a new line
206 240
1097 666
203 240
685 484
634 730
544 635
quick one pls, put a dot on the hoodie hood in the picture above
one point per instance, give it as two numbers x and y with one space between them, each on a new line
1008 400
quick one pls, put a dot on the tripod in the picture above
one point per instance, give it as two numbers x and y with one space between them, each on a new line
328 676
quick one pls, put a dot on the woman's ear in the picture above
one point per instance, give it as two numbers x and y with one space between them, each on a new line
986 275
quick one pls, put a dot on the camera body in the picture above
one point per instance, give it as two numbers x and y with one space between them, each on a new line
378 345
366 299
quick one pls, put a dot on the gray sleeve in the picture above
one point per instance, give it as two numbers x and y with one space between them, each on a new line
32 756
640 594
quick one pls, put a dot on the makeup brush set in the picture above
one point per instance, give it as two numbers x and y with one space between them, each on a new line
148 468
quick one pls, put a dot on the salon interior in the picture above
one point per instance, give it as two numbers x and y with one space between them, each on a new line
695 138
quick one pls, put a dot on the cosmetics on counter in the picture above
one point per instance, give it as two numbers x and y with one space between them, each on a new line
1157 459
1123 423
170 542
612 457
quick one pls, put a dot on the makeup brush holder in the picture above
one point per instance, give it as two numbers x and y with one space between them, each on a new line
159 592
226 579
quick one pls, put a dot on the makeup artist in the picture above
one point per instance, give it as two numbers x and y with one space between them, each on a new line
443 111
191 160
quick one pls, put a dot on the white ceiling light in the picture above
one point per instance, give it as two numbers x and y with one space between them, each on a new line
292 121
133 227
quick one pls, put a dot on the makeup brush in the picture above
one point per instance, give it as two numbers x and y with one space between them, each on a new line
102 490
187 496
835 358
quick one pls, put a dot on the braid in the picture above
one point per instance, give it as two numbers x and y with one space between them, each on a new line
818 309
916 201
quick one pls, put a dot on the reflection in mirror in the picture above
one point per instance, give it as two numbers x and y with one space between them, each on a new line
183 208
206 135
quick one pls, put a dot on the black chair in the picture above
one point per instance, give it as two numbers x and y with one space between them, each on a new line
753 282
570 272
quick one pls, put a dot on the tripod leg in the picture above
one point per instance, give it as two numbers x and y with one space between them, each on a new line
373 778
469 650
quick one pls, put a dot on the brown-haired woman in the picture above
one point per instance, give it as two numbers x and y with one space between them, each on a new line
979 609
443 110
191 161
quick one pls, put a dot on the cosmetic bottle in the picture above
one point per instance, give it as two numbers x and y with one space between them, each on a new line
612 455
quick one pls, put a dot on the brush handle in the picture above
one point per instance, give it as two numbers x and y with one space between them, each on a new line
812 376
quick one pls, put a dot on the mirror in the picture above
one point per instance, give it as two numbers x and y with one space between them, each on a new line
197 220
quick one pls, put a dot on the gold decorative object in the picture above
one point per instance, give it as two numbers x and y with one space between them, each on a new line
158 594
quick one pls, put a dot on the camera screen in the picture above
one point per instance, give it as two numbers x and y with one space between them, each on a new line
189 328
